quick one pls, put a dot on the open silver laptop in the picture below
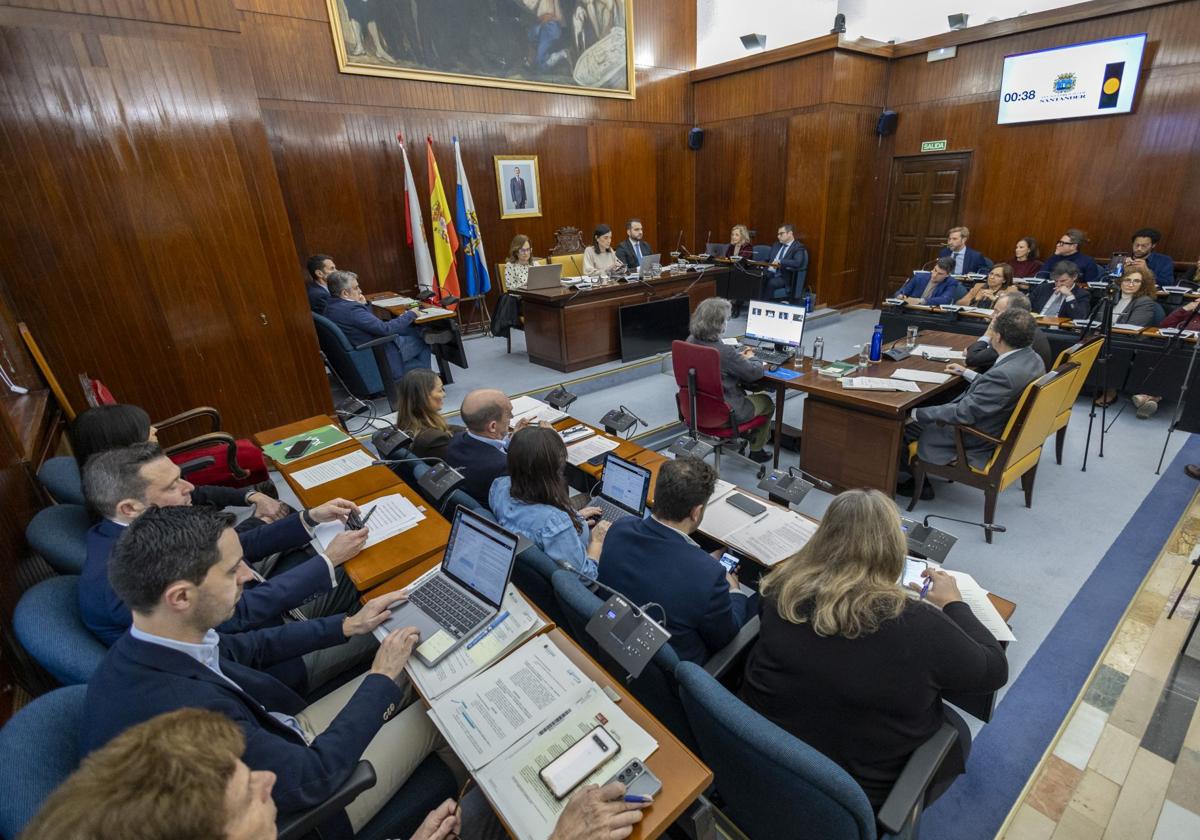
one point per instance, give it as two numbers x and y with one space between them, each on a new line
544 277
466 593
645 262
624 487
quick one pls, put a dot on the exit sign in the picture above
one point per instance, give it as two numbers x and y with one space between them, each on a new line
933 145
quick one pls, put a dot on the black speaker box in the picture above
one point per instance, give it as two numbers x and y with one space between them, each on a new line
886 124
695 139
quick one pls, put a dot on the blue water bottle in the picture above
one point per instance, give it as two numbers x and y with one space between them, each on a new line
877 343
808 302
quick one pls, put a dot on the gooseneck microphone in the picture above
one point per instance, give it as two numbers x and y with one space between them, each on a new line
984 525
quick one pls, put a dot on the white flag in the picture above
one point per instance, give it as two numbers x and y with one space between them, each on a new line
414 225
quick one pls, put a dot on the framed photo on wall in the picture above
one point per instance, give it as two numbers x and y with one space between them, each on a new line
517 183
581 47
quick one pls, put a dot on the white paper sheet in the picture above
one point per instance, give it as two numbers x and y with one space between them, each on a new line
398 300
913 375
394 514
976 597
311 477
937 351
774 536
874 383
433 312
577 453
535 411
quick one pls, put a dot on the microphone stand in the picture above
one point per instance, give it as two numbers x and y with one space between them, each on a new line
1105 307
987 526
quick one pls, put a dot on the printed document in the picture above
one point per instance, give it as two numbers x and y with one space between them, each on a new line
394 514
577 453
976 597
397 300
874 383
535 411
769 537
311 477
936 351
913 375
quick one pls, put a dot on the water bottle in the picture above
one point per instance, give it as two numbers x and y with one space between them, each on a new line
808 303
818 350
877 343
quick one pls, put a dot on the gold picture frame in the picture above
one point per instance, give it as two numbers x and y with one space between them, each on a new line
520 194
588 52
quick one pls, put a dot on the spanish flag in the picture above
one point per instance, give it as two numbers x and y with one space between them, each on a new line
1111 91
445 240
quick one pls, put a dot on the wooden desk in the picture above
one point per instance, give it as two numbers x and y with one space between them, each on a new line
852 438
627 449
400 310
568 329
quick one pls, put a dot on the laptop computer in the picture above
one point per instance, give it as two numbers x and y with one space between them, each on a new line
467 591
544 277
645 262
623 489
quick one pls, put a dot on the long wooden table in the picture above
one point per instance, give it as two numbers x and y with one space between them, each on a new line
568 329
852 438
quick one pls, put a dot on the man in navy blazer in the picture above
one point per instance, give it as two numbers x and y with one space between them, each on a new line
181 570
966 260
657 560
935 288
481 451
788 258
319 268
1062 297
348 308
120 484
1066 250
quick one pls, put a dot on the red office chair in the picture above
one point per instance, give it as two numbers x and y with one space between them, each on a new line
701 397
235 462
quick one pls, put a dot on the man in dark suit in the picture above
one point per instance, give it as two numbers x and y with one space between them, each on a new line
319 268
933 288
516 189
181 570
1066 249
657 560
788 258
631 251
966 260
986 404
120 484
480 452
348 308
982 355
1062 297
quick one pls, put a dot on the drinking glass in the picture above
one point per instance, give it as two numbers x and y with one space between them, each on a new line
911 339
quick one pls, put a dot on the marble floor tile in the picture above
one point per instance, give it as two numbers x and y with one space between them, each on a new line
1081 735
1192 739
1185 781
1030 824
1140 801
1114 753
1054 787
1169 724
1148 607
1123 654
1162 649
1184 677
1176 823
1095 797
1075 826
1105 688
1136 705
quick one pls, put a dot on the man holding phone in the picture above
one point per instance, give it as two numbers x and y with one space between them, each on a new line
657 560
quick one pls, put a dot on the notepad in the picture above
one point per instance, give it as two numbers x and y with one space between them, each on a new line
433 312
319 438
914 375
311 477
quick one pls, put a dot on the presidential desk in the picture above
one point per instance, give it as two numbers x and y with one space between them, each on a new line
569 329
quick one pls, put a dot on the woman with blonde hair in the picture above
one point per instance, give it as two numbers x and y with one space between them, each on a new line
739 243
853 664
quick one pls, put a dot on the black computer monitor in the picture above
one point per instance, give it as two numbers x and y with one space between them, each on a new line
649 328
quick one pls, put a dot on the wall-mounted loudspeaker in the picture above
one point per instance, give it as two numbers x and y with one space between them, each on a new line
695 139
886 124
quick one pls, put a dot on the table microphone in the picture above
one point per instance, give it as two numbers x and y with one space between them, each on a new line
437 482
820 482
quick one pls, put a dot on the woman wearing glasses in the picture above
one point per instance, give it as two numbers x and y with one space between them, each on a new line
520 258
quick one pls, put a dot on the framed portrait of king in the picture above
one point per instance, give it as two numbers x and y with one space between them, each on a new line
517 183
581 47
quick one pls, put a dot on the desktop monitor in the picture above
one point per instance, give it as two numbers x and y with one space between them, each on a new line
780 323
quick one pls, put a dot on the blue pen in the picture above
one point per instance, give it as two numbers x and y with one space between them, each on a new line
496 622
633 797
925 587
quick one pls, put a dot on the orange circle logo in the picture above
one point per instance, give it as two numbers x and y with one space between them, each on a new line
1112 86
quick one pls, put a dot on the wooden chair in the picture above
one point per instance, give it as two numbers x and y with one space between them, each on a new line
1018 449
1085 356
502 279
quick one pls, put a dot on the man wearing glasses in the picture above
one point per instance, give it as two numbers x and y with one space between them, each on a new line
1066 249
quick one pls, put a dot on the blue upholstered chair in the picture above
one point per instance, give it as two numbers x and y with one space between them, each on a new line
762 253
47 624
772 784
60 476
38 750
801 278
59 534
357 368
458 497
532 574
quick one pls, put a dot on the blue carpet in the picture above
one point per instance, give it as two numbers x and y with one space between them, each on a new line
1008 749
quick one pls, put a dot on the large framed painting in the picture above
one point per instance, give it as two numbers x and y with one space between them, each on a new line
562 46
518 185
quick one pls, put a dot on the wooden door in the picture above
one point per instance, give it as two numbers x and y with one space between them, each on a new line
924 198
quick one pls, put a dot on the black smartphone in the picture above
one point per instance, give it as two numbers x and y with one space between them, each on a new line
745 503
597 460
730 562
299 448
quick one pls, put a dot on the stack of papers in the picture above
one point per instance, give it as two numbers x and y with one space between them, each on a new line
535 411
394 514
936 351
396 300
577 453
311 477
976 597
871 383
1127 328
914 375
770 537
433 312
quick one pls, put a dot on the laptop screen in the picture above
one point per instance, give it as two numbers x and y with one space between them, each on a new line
625 483
480 555
777 322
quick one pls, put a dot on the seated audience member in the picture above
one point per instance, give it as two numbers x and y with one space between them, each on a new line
657 560
319 268
348 308
938 289
1025 262
534 500
121 484
984 295
738 370
631 251
1062 297
786 260
966 260
115 426
420 413
986 404
516 266
982 355
185 768
1137 305
1066 249
853 666
599 257
479 451
181 571
1143 248
739 243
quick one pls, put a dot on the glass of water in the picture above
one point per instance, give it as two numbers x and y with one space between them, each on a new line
864 356
911 340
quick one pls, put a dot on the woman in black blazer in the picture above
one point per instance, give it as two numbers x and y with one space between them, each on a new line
420 413
854 665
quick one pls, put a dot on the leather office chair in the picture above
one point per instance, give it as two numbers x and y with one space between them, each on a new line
61 479
356 368
701 397
503 319
59 534
47 623
533 573
715 249
772 784
1018 449
1085 356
